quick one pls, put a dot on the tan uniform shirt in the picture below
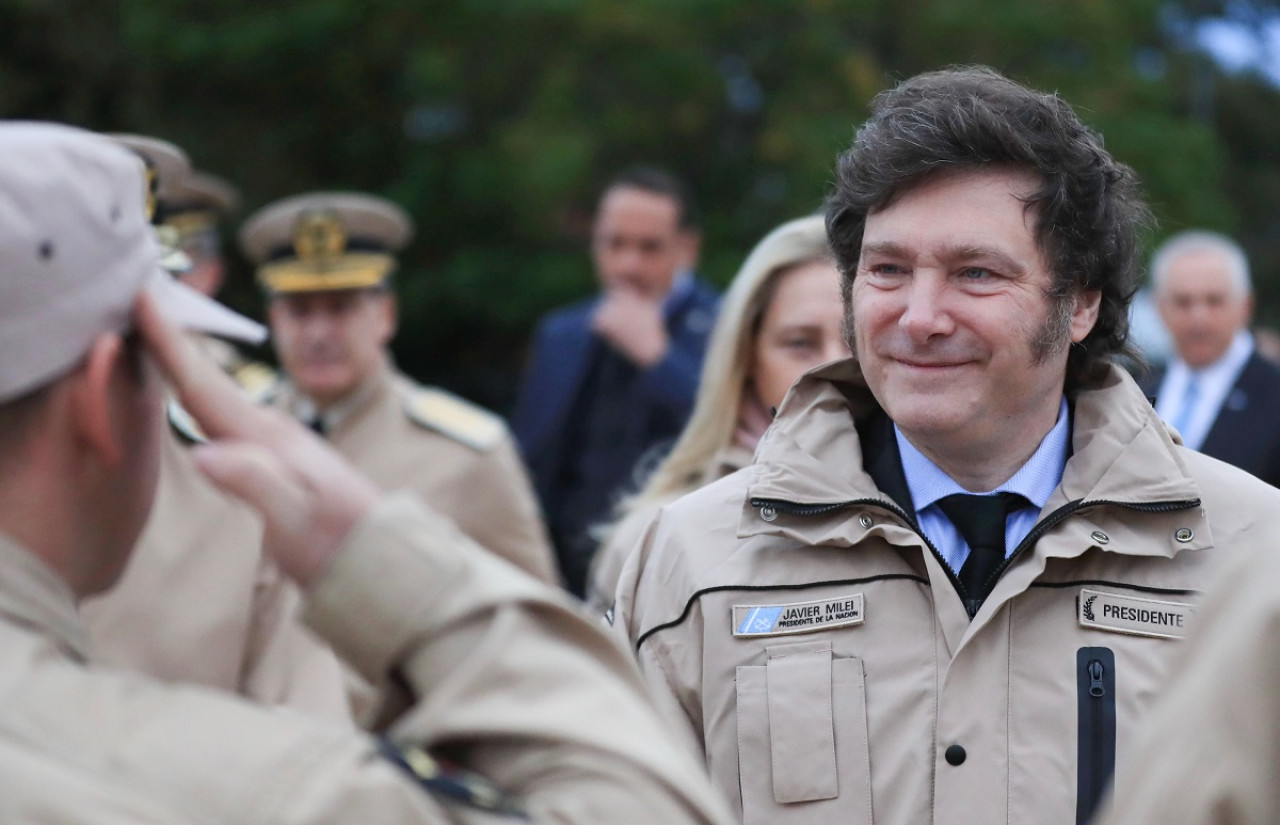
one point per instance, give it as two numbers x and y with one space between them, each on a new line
796 622
508 677
457 457
200 603
1210 750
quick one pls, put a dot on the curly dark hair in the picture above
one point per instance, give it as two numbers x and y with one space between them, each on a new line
1089 207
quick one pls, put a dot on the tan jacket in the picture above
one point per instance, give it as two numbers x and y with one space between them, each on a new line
1209 751
792 617
199 603
606 566
457 457
510 680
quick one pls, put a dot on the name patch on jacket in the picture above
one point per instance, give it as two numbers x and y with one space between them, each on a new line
1127 614
801 617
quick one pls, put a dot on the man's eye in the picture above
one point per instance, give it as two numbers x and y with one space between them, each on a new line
976 273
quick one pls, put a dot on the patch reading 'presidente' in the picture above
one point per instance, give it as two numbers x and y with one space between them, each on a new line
1127 614
802 617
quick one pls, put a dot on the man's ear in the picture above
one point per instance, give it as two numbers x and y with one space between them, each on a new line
389 308
92 398
1085 314
692 249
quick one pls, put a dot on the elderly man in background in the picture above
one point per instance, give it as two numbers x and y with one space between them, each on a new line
1218 392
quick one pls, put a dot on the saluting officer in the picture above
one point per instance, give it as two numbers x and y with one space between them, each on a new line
507 676
200 602
325 260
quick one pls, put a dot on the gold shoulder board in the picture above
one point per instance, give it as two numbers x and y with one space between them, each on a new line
184 425
450 415
259 381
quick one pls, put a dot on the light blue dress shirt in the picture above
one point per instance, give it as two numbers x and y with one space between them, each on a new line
1214 384
1035 480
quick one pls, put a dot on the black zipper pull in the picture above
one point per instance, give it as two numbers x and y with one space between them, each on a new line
1096 671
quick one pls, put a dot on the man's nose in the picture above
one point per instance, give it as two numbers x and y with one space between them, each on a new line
926 310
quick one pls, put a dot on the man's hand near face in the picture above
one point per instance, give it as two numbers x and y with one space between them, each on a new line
632 323
309 498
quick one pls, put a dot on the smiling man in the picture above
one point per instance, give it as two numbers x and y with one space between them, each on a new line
950 583
326 261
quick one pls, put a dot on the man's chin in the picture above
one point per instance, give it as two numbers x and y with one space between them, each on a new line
323 389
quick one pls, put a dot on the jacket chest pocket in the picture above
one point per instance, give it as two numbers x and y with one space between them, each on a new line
802 737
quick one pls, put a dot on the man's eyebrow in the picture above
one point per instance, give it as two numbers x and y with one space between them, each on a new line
891 248
959 252
971 253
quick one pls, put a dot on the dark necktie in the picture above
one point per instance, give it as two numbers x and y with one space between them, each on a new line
981 521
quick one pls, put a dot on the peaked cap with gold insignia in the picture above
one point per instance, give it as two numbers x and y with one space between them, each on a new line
195 203
325 241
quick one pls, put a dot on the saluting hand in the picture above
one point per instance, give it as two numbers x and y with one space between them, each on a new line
308 495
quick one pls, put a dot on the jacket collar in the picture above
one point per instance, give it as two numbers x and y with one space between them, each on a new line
33 596
1123 457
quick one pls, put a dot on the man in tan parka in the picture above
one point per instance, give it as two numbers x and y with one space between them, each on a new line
953 578
509 681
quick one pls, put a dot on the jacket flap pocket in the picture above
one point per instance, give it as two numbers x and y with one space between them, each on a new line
801 733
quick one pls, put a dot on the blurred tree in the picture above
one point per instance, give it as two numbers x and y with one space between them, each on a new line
494 122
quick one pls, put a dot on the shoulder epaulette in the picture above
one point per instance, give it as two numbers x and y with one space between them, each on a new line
184 424
450 415
259 381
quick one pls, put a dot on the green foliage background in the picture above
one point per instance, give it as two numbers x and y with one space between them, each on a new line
494 122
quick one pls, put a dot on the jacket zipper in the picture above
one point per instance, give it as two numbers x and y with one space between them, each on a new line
1042 527
1096 728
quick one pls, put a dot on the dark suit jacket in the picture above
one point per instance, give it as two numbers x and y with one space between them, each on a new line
561 356
1246 432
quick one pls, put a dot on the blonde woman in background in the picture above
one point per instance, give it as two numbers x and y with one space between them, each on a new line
780 318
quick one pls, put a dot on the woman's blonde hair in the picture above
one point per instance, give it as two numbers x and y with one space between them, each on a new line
692 461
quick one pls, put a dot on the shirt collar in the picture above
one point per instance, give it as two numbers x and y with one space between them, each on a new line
32 594
1036 480
305 409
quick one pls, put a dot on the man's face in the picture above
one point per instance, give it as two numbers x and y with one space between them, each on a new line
330 342
951 320
1201 306
637 242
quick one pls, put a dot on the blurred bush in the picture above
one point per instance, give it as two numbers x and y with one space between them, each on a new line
494 122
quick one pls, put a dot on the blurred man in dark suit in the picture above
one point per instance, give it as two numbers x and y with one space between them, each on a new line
612 376
1218 392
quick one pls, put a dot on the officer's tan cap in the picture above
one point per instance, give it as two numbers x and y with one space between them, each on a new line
76 249
325 241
